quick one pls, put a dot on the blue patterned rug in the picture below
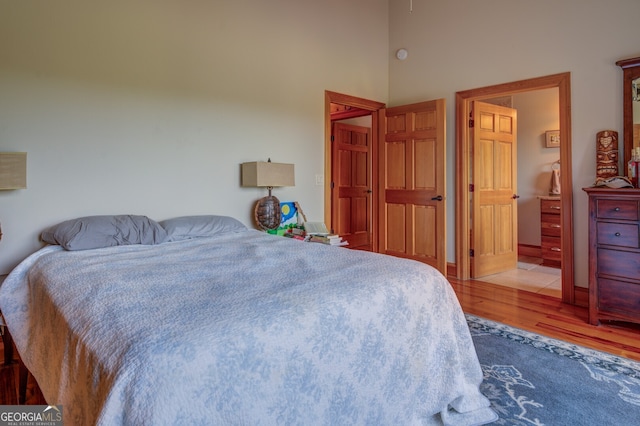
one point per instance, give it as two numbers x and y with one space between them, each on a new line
534 380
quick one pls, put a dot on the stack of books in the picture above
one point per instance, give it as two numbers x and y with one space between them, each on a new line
330 239
297 231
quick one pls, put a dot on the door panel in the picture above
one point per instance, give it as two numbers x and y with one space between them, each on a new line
426 242
351 196
412 182
494 231
396 226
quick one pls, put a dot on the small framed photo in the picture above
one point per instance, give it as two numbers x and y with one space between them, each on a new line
552 138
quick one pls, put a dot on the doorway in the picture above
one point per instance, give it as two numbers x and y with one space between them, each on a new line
408 189
351 163
536 266
349 107
464 102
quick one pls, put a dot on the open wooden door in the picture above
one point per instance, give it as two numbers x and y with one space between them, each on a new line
352 189
412 191
494 231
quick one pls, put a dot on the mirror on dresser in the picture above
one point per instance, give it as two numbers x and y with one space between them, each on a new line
631 106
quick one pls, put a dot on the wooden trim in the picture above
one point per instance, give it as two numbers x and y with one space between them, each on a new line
463 158
354 113
452 269
566 183
366 104
581 296
373 107
463 101
630 71
381 222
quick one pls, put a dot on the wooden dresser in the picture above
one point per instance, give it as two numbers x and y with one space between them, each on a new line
614 254
550 231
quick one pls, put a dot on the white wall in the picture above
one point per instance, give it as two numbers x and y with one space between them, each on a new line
457 45
149 107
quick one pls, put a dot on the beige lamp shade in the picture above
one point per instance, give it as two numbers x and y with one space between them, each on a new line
267 174
13 170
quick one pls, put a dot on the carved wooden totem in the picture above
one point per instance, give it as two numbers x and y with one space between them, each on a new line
606 154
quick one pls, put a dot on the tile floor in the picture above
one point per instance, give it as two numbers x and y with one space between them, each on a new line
530 276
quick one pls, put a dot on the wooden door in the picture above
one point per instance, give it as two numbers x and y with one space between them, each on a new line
494 230
351 192
412 194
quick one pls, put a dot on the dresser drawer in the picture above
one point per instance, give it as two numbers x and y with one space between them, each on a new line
550 206
551 248
618 234
619 296
550 225
617 209
625 264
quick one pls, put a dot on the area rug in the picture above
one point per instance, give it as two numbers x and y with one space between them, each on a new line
534 380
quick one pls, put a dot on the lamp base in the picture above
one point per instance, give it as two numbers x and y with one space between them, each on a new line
267 213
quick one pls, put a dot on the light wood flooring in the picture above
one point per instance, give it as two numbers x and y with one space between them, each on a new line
546 315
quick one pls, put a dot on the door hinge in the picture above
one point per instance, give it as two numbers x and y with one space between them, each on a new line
332 185
471 253
471 123
471 187
332 138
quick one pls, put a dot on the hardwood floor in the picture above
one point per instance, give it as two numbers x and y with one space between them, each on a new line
547 316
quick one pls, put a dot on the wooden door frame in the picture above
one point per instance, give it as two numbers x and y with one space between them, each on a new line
463 106
373 107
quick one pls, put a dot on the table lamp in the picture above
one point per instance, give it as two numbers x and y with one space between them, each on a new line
13 172
261 174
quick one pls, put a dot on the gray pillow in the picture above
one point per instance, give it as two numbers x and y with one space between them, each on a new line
92 232
187 227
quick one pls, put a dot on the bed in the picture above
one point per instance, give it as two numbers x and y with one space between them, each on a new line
208 322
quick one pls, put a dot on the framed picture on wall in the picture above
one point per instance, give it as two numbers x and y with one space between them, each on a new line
552 138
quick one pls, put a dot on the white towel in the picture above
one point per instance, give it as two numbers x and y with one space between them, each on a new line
554 188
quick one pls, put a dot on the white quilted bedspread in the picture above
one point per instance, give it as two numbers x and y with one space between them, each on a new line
243 329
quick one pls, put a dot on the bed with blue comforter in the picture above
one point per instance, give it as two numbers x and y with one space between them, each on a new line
243 328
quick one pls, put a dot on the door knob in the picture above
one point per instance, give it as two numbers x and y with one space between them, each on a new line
438 198
368 191
515 196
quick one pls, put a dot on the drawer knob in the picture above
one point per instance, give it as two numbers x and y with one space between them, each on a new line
555 249
617 234
555 207
617 209
554 226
